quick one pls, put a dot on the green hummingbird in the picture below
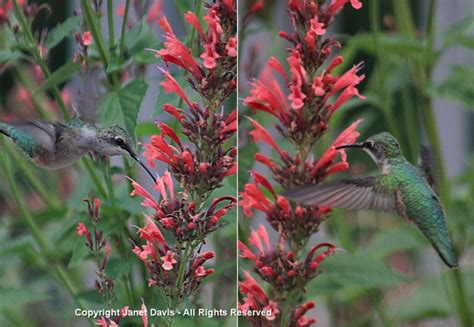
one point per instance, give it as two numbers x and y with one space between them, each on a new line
53 145
401 187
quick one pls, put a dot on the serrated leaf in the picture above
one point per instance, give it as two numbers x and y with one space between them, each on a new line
123 108
139 37
59 32
130 98
61 75
109 110
16 297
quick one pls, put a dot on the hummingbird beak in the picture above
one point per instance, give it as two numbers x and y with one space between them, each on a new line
141 163
355 145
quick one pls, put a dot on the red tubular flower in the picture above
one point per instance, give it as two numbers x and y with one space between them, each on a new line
170 85
255 298
82 230
260 134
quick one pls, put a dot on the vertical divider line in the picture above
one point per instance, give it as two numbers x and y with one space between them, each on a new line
237 163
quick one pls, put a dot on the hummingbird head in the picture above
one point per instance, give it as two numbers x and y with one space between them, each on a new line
114 141
382 148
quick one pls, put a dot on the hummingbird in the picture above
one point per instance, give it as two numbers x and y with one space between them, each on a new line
401 187
53 144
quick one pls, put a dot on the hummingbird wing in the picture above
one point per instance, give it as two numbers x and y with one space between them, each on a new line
427 164
353 194
85 100
34 133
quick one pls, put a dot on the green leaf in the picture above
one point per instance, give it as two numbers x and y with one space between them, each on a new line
139 37
146 129
123 108
8 55
16 297
343 272
58 33
16 245
116 267
458 86
61 75
429 300
130 98
388 242
457 34
391 45
79 253
91 296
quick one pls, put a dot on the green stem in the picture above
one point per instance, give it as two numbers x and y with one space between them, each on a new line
124 29
33 47
430 27
110 22
91 18
462 304
95 179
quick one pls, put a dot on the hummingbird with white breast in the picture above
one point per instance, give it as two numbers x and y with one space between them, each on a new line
401 187
53 144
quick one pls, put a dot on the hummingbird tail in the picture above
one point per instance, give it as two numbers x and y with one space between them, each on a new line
447 254
440 241
3 129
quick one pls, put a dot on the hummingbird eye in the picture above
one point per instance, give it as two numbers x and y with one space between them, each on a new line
369 145
119 140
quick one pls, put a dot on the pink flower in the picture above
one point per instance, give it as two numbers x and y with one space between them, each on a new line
82 230
209 56
120 10
168 261
86 38
176 52
272 306
231 47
